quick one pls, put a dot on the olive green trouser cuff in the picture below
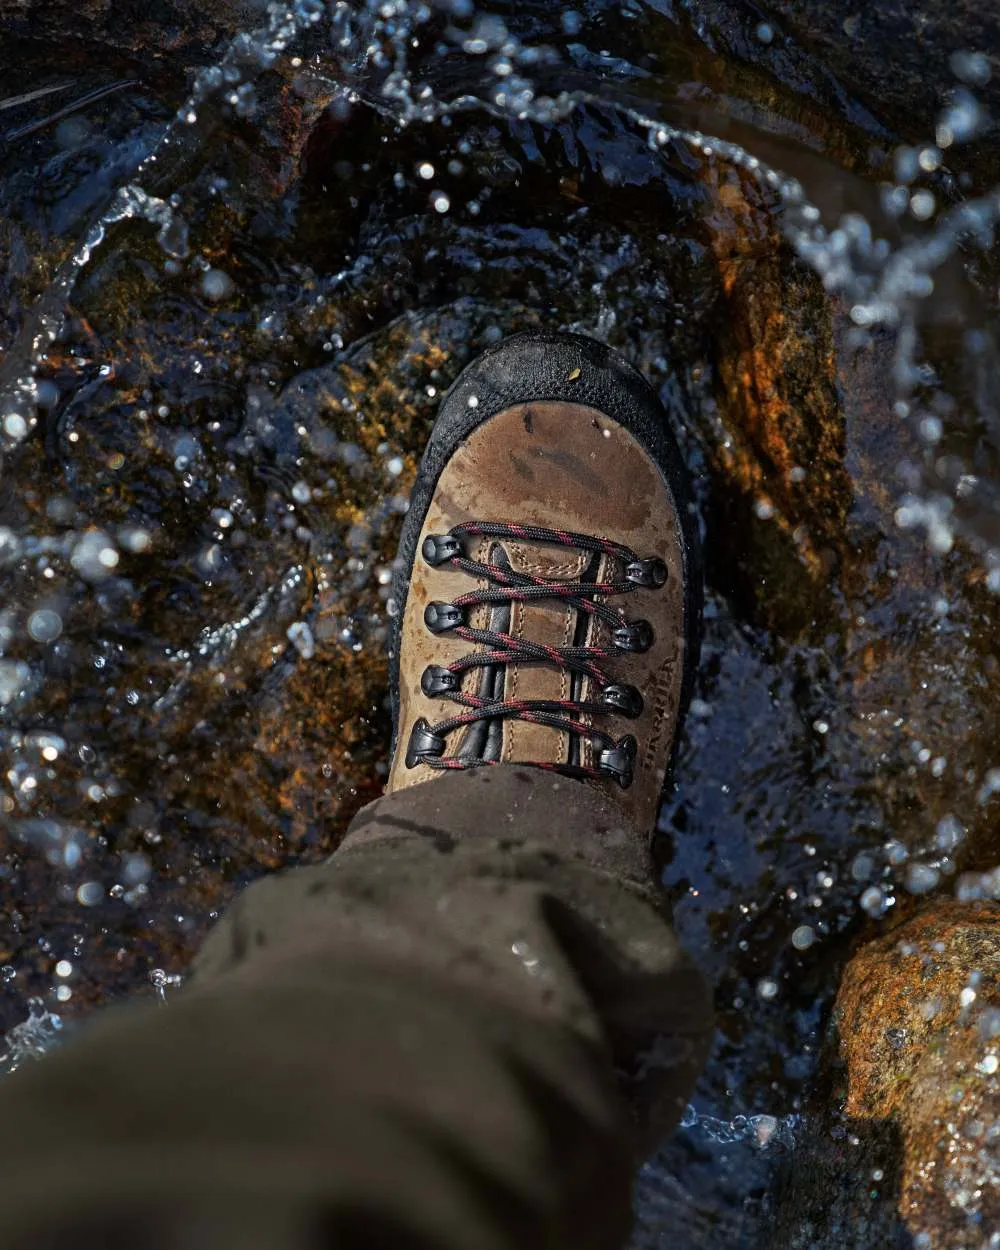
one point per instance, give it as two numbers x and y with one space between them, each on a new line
458 1034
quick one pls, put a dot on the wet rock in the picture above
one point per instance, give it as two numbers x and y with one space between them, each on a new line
912 1141
896 56
786 488
154 32
918 1015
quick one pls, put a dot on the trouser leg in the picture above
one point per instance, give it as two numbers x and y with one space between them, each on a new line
458 1034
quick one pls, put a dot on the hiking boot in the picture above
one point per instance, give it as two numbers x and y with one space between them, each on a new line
549 588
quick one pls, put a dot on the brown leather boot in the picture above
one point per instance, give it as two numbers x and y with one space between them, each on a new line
549 590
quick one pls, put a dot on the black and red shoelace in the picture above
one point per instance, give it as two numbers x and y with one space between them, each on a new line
497 648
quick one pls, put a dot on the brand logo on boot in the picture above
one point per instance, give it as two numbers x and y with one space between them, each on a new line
662 692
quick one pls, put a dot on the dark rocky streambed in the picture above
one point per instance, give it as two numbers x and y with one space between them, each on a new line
243 251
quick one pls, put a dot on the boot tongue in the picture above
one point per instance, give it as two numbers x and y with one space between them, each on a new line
552 623
548 622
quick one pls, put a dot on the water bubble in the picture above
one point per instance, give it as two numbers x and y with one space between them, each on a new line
161 981
46 393
895 200
949 833
301 637
803 937
137 869
134 539
767 989
764 33
922 205
94 556
989 1065
15 426
15 678
301 493
440 202
64 968
45 625
425 171
905 164
90 893
572 22
874 902
488 32
216 285
173 237
961 120
921 878
862 866
971 67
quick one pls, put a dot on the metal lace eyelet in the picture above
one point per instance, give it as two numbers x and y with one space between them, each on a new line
650 573
622 699
440 548
437 680
423 744
440 617
618 761
634 636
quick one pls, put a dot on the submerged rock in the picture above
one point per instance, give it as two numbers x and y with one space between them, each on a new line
918 1015
909 1145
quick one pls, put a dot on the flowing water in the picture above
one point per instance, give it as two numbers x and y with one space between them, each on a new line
233 290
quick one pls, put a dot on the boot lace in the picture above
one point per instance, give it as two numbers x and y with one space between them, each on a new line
612 759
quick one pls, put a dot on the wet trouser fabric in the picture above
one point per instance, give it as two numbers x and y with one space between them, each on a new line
460 1033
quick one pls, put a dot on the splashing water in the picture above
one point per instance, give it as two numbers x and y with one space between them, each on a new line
213 389
32 1038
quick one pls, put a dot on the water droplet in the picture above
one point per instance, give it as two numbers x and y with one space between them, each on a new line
94 556
873 901
173 237
949 833
90 893
45 625
971 67
216 285
922 205
301 637
15 426
921 878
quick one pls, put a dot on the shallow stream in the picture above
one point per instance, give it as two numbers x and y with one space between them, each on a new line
233 287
